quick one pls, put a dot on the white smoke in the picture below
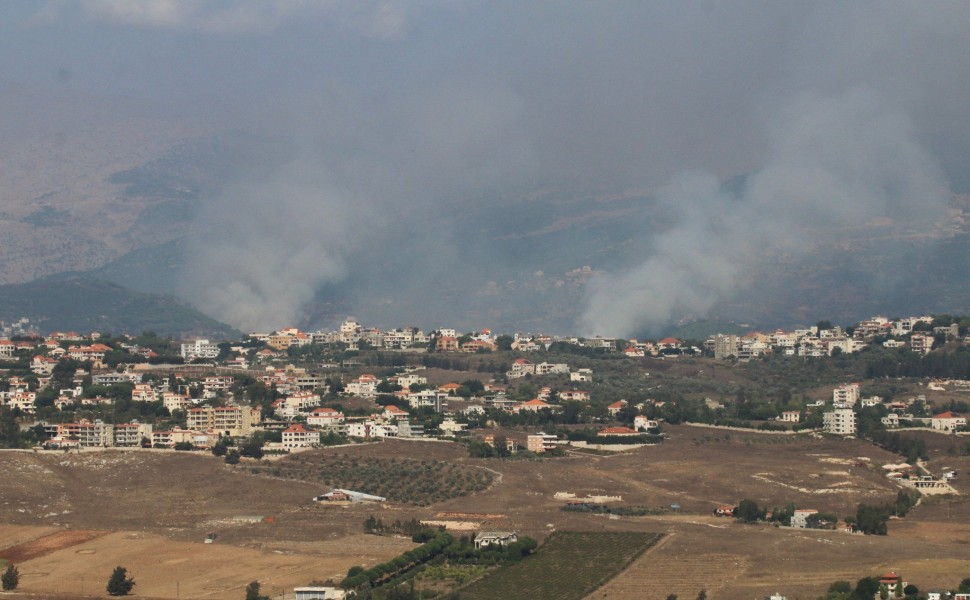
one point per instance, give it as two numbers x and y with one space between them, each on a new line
266 247
835 161
263 249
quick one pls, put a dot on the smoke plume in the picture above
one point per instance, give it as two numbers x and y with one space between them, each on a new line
836 162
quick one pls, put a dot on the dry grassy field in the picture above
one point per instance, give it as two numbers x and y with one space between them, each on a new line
68 519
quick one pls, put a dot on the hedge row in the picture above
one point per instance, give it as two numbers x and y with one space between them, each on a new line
400 563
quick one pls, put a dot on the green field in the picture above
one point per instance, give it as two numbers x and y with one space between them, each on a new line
568 566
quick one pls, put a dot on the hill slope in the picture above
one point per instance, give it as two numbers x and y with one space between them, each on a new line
82 303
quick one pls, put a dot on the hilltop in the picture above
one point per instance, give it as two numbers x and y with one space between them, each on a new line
83 303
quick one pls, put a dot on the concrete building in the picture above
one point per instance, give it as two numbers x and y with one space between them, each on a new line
199 349
840 421
948 421
725 346
846 395
541 442
229 420
800 517
298 436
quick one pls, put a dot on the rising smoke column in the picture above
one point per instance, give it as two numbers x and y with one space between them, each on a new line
261 249
833 161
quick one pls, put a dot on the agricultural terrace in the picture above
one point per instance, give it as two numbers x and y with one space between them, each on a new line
568 566
407 480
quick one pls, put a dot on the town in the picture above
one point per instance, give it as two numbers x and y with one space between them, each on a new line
286 382
461 411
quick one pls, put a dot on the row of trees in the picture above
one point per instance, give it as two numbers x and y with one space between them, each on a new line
869 518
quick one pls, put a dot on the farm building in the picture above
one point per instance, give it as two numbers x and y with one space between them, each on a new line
498 538
338 495
322 592
800 517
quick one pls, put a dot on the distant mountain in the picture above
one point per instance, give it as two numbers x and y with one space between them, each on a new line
83 303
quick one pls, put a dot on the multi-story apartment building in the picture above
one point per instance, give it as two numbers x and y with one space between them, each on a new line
846 395
725 346
541 442
298 436
840 421
199 349
231 420
921 343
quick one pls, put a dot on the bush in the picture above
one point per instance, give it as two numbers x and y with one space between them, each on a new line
10 578
119 584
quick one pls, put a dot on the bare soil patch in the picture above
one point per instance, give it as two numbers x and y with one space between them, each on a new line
161 505
49 543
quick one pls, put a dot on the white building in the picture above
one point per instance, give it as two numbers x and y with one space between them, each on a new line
325 417
921 343
199 349
846 395
298 436
948 421
800 518
324 592
551 368
840 421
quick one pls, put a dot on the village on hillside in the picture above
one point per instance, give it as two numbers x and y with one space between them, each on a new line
301 390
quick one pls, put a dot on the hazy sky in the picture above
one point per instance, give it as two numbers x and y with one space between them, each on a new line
406 105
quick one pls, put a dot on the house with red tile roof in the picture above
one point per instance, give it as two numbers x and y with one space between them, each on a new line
892 581
520 368
534 405
325 417
615 408
394 412
948 421
299 436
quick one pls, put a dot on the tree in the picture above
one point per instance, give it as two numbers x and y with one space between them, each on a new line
867 587
10 578
702 595
871 519
840 587
220 448
252 592
253 448
232 457
10 436
748 511
120 584
964 585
